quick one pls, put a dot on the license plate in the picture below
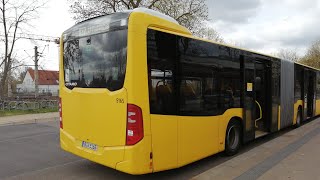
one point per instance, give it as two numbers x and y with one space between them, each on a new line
89 145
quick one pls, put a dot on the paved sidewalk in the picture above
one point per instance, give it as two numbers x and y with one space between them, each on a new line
29 118
302 164
293 155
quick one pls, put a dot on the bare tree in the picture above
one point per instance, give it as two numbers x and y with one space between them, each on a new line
207 32
14 16
189 13
85 9
312 57
288 54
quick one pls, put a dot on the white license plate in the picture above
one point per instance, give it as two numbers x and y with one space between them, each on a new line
89 146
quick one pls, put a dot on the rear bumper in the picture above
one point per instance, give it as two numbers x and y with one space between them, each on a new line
129 159
108 156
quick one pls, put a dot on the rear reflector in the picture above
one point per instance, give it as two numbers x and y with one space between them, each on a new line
60 113
134 125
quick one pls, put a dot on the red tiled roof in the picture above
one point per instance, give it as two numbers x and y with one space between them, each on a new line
46 77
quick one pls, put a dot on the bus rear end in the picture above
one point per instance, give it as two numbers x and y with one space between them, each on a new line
96 120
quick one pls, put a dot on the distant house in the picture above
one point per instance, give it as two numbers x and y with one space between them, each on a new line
48 82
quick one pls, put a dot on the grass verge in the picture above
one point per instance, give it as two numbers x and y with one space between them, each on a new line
21 112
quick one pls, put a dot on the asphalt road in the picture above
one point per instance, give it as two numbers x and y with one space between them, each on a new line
32 151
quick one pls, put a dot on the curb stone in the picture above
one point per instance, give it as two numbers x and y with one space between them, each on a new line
30 121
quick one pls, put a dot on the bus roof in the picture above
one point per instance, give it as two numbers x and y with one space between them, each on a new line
154 13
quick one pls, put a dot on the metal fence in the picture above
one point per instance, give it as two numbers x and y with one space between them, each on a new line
28 105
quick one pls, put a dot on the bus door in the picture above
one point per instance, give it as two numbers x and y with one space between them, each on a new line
262 121
256 101
305 93
247 65
310 93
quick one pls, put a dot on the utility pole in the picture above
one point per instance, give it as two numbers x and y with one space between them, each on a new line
36 75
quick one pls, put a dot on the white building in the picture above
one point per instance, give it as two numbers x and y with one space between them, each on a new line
48 82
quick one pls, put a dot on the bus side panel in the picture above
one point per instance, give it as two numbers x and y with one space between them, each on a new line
318 107
203 136
164 141
197 138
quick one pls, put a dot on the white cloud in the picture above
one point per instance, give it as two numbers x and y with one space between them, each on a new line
235 11
275 25
54 19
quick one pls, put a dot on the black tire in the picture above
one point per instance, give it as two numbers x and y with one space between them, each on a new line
233 138
299 118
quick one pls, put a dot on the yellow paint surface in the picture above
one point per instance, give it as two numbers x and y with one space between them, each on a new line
317 107
180 140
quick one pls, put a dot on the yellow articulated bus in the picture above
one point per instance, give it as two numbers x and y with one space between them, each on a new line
140 94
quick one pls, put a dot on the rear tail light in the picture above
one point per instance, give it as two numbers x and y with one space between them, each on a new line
60 113
134 125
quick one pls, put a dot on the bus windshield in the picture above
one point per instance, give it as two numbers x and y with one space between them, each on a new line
96 61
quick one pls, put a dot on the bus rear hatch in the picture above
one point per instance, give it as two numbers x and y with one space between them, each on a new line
94 100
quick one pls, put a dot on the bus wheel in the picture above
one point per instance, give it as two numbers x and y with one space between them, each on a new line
299 118
233 138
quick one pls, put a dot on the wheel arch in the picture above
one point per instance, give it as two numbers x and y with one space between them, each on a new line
230 115
240 121
234 120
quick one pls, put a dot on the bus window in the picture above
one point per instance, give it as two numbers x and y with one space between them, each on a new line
93 62
318 86
217 68
199 87
161 70
191 95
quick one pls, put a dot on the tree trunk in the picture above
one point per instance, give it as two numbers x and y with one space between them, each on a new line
3 83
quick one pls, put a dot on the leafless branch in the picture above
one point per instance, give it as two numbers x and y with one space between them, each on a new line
14 15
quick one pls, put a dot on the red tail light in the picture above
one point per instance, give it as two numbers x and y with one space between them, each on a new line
60 113
134 125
